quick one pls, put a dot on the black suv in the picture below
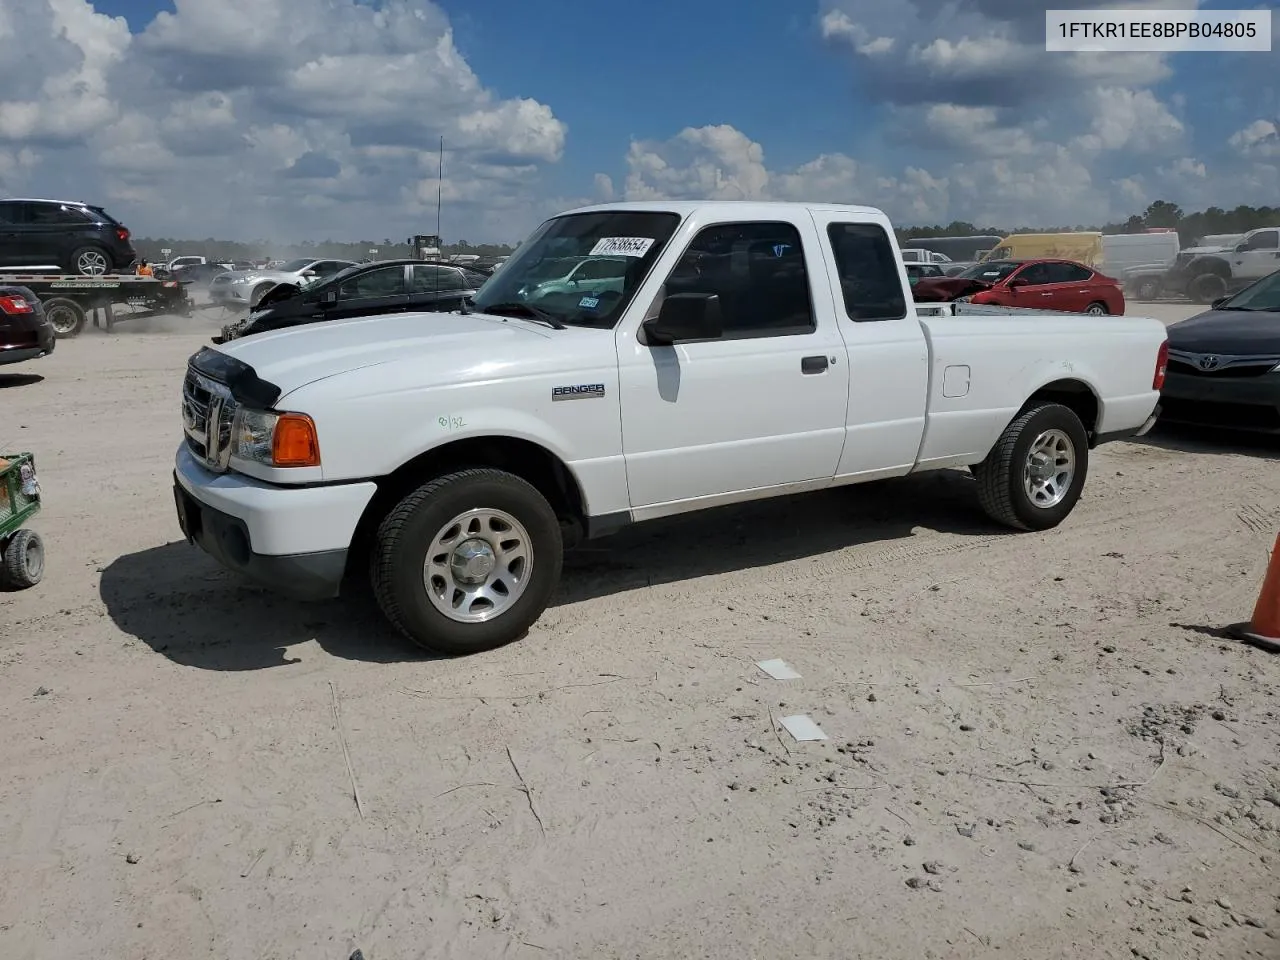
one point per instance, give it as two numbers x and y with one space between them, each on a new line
71 236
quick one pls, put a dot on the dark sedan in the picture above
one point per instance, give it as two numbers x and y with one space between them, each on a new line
363 290
1224 364
25 332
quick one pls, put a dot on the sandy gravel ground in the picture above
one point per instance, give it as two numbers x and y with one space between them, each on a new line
1041 746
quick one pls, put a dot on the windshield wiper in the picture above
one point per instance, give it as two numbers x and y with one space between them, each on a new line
524 310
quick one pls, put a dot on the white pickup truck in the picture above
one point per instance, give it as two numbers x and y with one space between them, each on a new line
751 350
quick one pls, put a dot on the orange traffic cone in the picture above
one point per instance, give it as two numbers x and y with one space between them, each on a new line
1264 629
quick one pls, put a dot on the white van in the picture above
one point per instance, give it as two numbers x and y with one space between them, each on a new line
923 256
1122 252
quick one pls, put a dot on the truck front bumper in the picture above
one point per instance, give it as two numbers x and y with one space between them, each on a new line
292 539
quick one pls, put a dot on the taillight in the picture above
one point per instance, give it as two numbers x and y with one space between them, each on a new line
1162 365
15 305
122 233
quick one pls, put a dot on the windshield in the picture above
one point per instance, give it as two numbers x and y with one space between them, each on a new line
582 268
293 266
991 271
1263 295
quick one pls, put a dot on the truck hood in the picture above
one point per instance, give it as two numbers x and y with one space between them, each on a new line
1228 332
296 356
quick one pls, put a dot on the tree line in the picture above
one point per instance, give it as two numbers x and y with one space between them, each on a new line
149 249
1162 213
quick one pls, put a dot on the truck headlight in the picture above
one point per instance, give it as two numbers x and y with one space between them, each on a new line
275 439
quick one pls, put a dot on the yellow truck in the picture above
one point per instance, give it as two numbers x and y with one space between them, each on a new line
1083 248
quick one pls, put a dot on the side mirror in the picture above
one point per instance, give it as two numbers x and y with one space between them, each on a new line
686 316
308 274
1018 282
1242 248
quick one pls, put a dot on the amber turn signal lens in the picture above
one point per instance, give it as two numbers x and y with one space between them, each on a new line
294 443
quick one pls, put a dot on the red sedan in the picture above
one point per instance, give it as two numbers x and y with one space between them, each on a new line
1046 285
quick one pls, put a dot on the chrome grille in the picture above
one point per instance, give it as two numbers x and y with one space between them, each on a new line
1220 365
207 414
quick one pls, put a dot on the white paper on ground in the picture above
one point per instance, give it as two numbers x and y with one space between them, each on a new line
802 728
778 669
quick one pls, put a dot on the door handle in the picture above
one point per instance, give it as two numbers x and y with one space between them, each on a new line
813 365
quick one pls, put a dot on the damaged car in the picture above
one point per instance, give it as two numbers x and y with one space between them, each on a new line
243 289
362 290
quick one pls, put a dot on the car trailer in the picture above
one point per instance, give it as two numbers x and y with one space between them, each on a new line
69 300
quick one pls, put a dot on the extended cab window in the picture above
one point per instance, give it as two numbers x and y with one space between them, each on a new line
1263 240
758 272
867 271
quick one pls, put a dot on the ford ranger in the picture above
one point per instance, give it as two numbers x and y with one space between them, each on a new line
749 350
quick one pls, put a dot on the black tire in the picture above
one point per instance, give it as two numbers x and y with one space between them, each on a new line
1207 288
89 261
23 564
258 292
407 533
1001 486
1147 289
66 316
1101 310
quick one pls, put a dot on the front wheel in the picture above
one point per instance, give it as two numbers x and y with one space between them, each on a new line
467 562
1147 289
1035 473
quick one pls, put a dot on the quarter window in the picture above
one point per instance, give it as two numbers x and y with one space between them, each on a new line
757 270
867 271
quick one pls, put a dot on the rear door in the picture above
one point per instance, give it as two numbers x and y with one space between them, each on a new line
1076 287
436 288
888 356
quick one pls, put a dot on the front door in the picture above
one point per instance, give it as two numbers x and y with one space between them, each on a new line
374 292
760 407
1259 257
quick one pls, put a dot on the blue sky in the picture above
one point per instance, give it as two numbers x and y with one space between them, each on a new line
292 117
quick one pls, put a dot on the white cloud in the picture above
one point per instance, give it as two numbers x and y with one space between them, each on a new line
1259 139
266 117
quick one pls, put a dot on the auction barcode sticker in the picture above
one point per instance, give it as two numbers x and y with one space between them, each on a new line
622 246
1157 31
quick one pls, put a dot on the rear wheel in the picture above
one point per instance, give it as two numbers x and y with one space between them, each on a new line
23 561
1096 309
90 262
468 561
65 316
1034 475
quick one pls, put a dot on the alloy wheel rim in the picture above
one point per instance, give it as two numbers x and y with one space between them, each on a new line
478 565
